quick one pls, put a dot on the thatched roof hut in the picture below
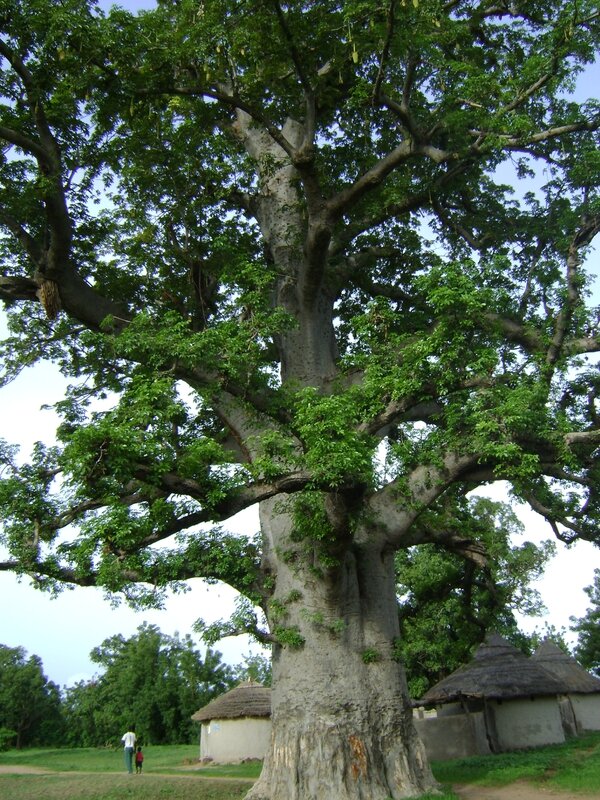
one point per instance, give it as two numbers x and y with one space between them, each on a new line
248 699
581 705
517 697
236 725
575 679
498 671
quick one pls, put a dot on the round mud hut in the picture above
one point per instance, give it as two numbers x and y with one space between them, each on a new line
237 725
518 698
580 705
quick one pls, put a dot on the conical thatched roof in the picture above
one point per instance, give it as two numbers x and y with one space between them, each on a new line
246 700
575 679
498 671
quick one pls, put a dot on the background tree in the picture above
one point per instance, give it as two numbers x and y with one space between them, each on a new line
255 668
30 704
152 681
587 649
281 241
449 601
557 635
85 725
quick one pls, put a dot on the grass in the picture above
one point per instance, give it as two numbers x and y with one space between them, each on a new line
173 773
78 786
170 773
99 759
571 767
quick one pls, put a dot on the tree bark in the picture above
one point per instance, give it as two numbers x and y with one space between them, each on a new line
342 726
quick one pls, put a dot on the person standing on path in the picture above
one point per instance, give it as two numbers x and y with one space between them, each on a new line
129 740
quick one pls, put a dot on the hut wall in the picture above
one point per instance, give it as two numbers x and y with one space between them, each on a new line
526 722
231 740
453 736
587 711
567 716
449 709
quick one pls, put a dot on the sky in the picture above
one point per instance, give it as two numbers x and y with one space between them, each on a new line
64 630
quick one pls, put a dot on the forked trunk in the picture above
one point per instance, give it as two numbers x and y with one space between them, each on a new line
342 722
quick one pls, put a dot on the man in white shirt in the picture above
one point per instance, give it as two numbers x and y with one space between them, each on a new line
129 740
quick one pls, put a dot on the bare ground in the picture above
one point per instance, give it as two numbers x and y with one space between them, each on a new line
23 769
520 790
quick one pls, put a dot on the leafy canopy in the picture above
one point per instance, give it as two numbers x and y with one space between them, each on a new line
150 680
330 250
449 601
30 704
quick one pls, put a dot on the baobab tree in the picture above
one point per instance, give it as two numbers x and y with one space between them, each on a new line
327 258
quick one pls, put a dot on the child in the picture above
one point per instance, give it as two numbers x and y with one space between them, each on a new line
139 760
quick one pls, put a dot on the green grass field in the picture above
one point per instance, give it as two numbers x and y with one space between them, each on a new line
173 773
572 767
170 773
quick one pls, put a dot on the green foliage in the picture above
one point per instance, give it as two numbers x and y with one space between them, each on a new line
448 601
30 704
244 620
335 453
289 637
370 655
151 681
327 257
587 649
556 635
192 301
255 668
7 738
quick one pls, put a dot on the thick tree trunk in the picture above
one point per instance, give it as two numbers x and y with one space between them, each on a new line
342 722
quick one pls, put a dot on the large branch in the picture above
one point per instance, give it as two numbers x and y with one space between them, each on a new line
468 236
15 287
62 574
235 501
235 103
169 484
305 152
511 142
399 504
582 238
357 271
26 143
466 547
533 340
555 520
374 177
412 202
201 558
25 239
408 409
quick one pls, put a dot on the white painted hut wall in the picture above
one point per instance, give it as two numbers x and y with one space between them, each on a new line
231 740
587 711
527 723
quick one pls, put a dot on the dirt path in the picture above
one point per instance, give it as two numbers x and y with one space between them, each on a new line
23 769
520 790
